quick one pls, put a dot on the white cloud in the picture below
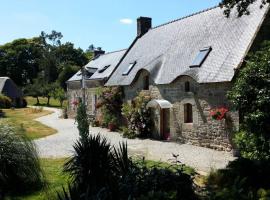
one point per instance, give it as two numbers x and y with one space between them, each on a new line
126 21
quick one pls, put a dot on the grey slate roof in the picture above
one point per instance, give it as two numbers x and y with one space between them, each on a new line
9 88
168 50
111 58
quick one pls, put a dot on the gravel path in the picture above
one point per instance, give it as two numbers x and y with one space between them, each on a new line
60 145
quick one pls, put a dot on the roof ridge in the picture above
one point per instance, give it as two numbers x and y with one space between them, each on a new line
114 51
181 18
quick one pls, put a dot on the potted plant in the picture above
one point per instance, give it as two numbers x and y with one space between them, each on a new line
112 124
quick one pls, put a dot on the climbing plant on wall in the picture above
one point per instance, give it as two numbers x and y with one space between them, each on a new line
110 104
138 117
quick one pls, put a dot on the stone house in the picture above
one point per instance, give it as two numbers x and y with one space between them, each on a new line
187 66
97 72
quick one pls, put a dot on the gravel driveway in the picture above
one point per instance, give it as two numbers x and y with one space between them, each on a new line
60 145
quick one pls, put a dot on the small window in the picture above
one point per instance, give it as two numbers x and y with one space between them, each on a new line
188 115
201 56
146 82
187 86
130 67
103 68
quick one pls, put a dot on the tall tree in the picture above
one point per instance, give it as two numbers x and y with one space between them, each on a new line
251 95
242 6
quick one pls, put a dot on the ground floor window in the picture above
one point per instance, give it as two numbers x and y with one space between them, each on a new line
188 115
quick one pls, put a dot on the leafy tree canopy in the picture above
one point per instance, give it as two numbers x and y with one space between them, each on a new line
242 6
251 95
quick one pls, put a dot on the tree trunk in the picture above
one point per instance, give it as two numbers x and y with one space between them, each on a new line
37 101
48 101
61 104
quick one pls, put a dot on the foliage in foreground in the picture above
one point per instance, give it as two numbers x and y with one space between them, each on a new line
100 171
20 171
251 96
242 179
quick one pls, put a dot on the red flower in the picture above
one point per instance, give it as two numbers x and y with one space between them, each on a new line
218 113
75 102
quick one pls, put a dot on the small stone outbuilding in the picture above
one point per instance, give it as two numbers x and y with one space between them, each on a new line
11 90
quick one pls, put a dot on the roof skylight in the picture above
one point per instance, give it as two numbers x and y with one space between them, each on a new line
103 68
201 56
130 67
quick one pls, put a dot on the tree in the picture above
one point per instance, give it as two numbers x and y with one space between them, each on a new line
241 5
34 90
59 94
20 60
251 96
66 73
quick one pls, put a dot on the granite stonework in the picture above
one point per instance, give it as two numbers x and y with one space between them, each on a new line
204 131
74 92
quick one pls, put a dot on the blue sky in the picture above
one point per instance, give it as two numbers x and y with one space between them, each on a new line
110 24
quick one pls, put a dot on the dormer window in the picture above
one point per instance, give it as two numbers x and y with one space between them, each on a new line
103 68
187 86
201 57
130 67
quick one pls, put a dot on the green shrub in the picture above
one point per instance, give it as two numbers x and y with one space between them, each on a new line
138 117
251 95
5 102
110 103
82 120
252 146
242 179
127 133
20 171
100 171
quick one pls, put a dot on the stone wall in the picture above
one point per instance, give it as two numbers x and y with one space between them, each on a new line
204 131
74 92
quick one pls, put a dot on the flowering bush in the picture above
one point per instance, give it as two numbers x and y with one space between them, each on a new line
138 116
75 102
218 113
110 103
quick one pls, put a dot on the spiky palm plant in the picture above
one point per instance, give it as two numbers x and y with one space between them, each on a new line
91 166
19 164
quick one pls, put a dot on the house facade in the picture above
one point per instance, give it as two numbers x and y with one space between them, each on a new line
97 72
187 66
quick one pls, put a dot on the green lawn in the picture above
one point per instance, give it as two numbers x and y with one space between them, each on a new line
31 101
55 178
23 121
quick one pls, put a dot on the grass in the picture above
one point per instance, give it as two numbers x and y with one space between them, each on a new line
55 178
31 101
23 121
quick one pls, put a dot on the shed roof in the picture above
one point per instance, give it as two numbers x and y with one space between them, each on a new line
167 51
9 88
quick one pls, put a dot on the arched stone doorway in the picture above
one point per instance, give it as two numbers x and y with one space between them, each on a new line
160 110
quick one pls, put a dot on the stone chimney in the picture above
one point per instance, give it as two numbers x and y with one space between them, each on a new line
143 25
98 52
